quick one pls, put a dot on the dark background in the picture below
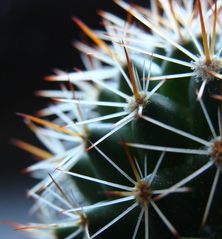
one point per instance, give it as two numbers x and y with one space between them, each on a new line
35 37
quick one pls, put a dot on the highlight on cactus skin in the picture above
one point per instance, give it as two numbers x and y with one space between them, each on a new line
132 144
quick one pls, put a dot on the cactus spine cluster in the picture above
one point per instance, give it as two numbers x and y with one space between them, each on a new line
133 144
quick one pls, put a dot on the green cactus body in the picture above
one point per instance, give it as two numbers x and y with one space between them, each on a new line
140 139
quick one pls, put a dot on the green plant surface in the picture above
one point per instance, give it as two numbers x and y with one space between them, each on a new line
132 146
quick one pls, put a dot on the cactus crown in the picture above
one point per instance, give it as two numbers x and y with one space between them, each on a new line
135 139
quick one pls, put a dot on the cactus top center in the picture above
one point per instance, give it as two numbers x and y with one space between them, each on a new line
205 71
143 193
216 153
136 103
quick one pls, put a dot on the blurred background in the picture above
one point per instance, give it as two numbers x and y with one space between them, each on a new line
35 37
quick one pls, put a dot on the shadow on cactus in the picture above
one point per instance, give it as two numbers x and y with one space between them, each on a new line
136 138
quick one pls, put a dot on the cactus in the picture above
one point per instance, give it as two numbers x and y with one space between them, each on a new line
132 145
